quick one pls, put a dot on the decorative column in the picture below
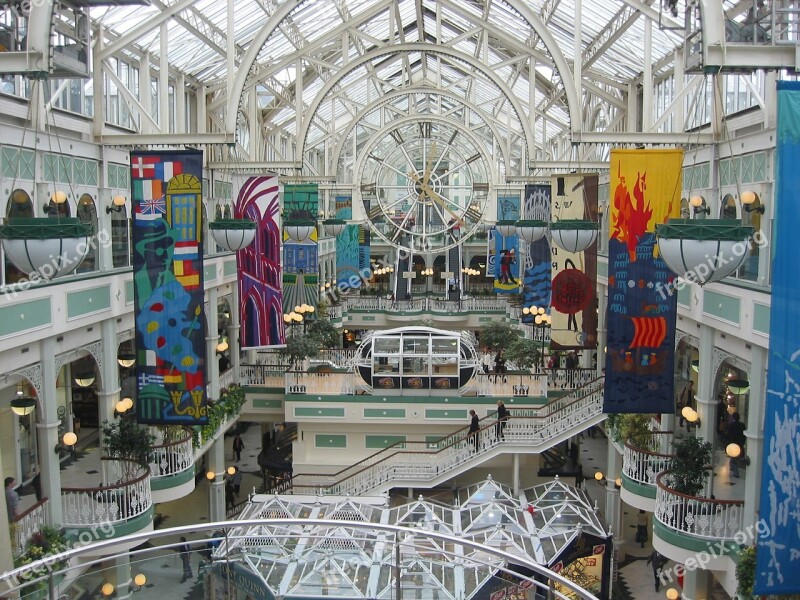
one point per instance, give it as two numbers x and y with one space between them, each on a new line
704 395
233 333
755 433
216 489
614 467
6 557
515 473
212 366
122 576
47 429
108 393
696 584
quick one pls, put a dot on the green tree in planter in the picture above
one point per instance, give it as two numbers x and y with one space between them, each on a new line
635 430
300 347
326 332
746 572
523 352
497 336
125 439
691 465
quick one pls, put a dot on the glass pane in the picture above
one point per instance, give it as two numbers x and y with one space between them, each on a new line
415 366
415 345
387 364
385 345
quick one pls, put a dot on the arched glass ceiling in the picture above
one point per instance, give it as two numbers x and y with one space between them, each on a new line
322 37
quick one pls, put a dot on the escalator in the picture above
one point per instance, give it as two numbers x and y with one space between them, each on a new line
402 283
454 265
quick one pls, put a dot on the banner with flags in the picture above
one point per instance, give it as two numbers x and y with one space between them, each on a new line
777 556
645 191
573 308
300 256
259 264
166 192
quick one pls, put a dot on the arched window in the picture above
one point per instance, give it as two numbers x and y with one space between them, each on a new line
87 213
19 206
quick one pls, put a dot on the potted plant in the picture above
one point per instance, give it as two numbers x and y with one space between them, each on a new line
746 572
634 429
131 444
690 466
48 541
524 353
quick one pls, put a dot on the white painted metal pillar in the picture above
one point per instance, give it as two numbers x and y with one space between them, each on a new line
647 76
212 339
48 433
145 95
755 433
163 80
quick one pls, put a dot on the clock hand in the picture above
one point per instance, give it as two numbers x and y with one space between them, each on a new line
440 201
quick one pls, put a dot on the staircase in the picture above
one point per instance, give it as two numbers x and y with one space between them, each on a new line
454 267
426 465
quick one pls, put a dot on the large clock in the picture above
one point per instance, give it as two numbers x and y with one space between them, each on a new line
424 185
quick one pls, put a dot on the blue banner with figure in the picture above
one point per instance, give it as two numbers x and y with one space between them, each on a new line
641 319
778 545
504 261
536 275
166 194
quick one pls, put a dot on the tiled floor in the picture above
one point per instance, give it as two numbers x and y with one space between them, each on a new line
166 570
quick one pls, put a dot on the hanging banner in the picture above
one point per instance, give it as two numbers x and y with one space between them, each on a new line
505 262
352 248
573 308
166 204
777 556
300 258
645 190
259 264
537 257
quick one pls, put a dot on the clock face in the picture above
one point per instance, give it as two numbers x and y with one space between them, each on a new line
424 186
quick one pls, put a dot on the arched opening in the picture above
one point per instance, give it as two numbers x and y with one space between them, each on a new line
120 240
87 213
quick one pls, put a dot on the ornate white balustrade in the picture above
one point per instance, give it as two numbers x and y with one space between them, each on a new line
695 516
536 427
509 384
323 384
124 493
29 522
425 304
227 378
643 466
172 458
262 375
569 379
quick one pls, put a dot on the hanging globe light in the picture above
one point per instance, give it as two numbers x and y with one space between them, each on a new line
703 250
334 226
46 247
531 230
506 228
574 235
233 234
299 231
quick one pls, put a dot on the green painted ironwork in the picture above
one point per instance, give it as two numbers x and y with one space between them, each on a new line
237 224
704 230
44 228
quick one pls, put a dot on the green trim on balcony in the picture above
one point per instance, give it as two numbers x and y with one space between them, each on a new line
456 413
330 440
257 389
722 306
377 442
687 541
105 531
685 296
516 402
229 268
266 403
84 302
129 292
171 481
761 318
634 487
384 413
311 411
15 318
209 273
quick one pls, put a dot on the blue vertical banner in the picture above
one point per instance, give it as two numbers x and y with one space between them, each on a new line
352 247
300 256
166 194
537 258
778 545
641 319
506 249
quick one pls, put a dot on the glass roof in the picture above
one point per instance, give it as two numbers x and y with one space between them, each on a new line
350 55
313 559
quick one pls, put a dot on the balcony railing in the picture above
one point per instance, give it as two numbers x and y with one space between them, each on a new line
426 461
123 494
172 458
509 384
643 466
704 518
424 304
28 523
323 384
272 375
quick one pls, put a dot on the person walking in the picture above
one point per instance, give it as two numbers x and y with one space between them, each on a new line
236 479
12 499
230 495
502 420
736 436
658 563
238 446
185 559
474 428
641 528
685 399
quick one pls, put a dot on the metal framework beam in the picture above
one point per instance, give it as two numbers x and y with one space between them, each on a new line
642 139
166 139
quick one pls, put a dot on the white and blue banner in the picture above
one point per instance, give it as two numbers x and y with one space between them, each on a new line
778 548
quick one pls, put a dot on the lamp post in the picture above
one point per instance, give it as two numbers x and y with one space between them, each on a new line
541 321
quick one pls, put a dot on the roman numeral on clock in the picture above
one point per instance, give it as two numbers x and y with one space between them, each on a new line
425 129
396 136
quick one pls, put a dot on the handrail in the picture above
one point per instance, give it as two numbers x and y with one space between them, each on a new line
27 523
697 516
517 428
171 458
111 502
642 465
